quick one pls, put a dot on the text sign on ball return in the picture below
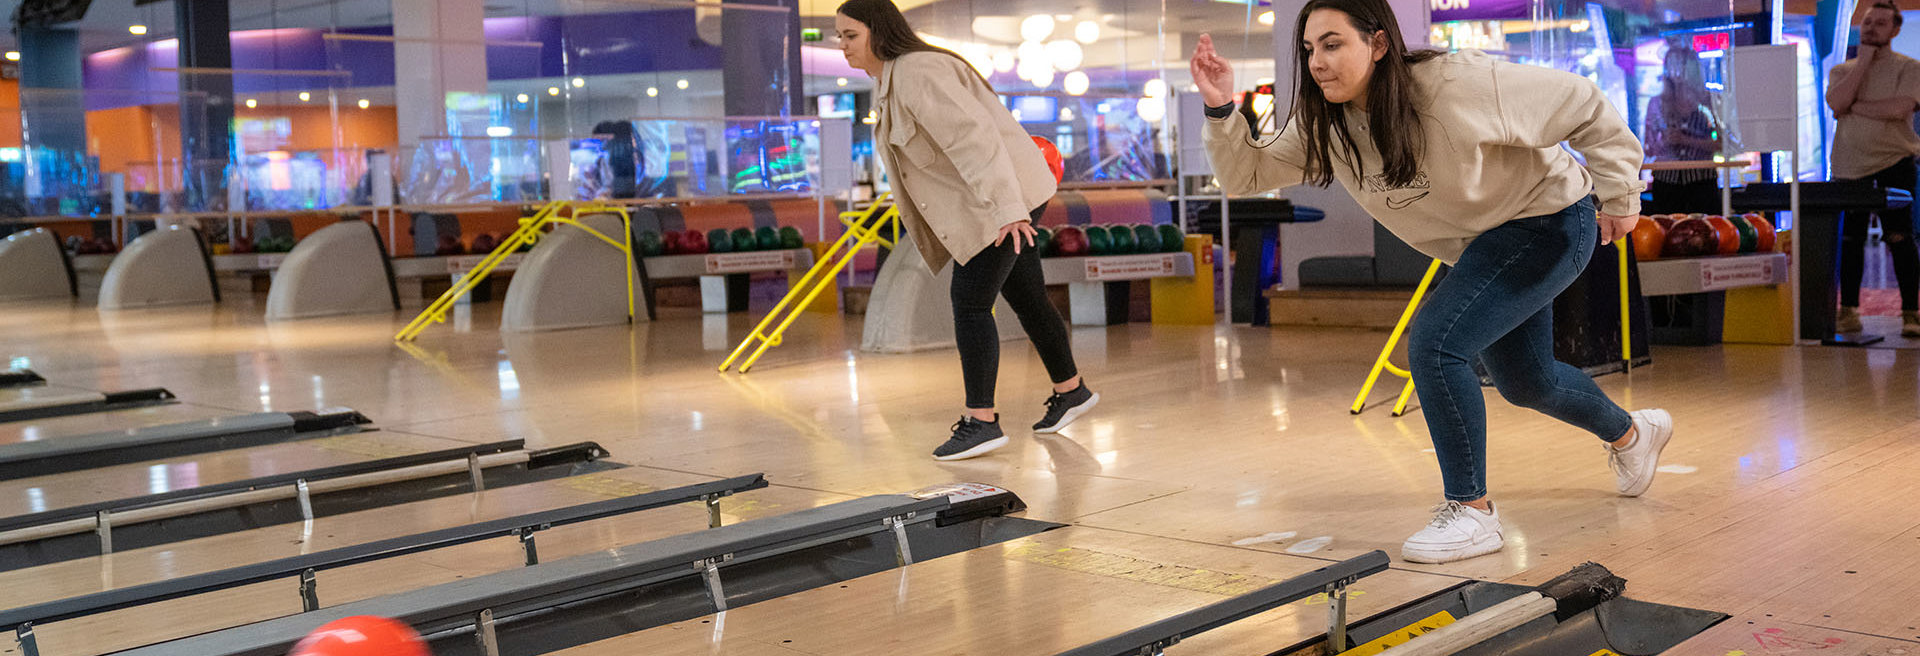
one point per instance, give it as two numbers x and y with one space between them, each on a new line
749 262
1727 274
1130 267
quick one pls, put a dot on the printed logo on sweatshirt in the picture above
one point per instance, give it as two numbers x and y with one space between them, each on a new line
1399 197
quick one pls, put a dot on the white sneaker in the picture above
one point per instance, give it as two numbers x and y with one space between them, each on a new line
1848 321
1457 532
1634 468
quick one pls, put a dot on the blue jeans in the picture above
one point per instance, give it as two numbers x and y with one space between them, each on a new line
1496 303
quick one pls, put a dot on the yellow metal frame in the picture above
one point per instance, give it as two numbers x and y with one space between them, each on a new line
1382 364
863 228
528 233
1406 393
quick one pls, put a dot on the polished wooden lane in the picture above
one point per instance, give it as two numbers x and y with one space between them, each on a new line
1237 438
1035 596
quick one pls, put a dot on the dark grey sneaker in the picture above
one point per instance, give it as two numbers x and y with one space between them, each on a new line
1062 409
972 438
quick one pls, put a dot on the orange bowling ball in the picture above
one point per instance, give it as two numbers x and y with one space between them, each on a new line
1052 154
362 635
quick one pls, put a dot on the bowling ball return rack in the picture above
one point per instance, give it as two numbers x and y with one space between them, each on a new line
1578 613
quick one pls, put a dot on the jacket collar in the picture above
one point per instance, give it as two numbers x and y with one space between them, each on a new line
885 81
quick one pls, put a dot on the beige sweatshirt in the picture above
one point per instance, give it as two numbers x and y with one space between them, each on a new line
1492 153
1862 145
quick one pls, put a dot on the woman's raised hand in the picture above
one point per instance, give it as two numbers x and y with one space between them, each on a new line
1211 73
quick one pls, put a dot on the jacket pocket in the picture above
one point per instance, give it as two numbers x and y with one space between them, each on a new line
908 140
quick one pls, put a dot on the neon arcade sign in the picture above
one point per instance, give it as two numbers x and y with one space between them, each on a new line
1443 11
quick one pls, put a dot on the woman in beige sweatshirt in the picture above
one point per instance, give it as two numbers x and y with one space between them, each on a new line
1459 155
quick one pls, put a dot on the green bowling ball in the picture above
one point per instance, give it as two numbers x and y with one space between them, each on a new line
1172 240
744 240
1146 239
650 244
719 241
1122 237
1099 241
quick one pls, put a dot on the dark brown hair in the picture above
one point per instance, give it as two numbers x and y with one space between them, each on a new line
1392 120
890 36
1888 5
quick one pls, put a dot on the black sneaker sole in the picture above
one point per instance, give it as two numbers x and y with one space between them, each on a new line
1072 414
978 450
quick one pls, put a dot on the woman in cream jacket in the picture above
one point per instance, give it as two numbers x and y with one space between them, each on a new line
968 183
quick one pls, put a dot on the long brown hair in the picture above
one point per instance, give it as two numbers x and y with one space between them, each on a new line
1391 116
890 36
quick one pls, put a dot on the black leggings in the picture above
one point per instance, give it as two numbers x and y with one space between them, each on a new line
1896 230
998 271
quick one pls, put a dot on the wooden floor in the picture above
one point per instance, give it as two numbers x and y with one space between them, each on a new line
1218 456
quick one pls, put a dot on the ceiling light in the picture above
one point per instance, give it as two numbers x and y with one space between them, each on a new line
1064 55
251 103
1151 110
1043 77
137 30
304 96
841 81
1086 32
13 55
1036 27
522 98
1031 53
579 82
364 103
653 91
682 84
1266 18
1156 88
498 131
553 91
1076 84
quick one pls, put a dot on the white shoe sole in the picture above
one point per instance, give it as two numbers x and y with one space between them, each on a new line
1443 556
1662 425
984 448
1071 415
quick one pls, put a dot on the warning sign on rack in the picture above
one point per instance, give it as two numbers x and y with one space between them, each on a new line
1737 272
1130 267
749 262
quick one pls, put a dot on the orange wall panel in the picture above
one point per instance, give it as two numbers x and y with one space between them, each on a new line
10 114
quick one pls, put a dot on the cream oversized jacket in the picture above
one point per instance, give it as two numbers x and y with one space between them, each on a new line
961 166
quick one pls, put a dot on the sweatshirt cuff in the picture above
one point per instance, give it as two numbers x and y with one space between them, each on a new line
1628 205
